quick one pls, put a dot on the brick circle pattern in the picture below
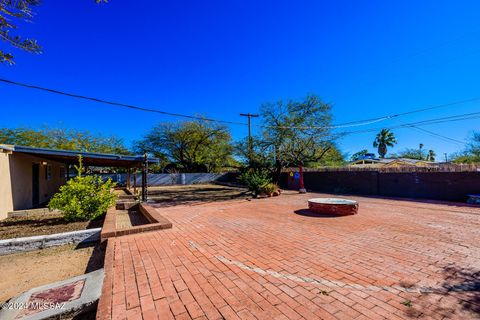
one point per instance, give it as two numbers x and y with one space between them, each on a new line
333 206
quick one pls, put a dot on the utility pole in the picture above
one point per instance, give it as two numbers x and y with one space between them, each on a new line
250 142
446 157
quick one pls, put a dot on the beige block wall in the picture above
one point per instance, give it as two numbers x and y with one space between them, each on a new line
21 180
6 203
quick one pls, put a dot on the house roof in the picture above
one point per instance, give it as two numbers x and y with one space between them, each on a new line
89 158
385 161
412 161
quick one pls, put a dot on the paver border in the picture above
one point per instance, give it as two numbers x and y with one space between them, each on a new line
157 222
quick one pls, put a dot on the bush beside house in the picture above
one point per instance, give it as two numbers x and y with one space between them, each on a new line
84 197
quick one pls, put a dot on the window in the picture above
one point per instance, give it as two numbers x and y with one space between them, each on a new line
48 172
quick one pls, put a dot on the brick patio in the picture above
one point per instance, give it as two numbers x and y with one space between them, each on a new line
270 259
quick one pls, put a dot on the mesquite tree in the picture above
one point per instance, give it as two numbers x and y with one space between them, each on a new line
12 11
297 131
193 146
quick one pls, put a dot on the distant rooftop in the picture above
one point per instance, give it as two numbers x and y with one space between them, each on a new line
369 160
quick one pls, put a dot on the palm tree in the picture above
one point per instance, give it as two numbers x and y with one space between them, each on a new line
431 155
384 139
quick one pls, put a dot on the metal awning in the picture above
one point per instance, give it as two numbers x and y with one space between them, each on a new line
89 158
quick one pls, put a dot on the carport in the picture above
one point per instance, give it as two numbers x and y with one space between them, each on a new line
30 176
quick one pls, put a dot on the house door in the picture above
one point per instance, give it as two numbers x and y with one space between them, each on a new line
35 184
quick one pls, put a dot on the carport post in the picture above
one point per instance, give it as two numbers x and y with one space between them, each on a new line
144 177
128 178
135 181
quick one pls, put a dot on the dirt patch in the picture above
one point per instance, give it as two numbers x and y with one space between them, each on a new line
174 195
23 271
42 225
129 218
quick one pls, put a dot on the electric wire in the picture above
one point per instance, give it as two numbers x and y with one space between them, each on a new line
338 126
113 103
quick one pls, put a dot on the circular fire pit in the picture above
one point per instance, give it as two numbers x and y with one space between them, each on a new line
333 206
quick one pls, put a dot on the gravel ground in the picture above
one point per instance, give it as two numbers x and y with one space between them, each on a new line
23 271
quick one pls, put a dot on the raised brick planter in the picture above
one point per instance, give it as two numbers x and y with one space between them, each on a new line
333 206
157 222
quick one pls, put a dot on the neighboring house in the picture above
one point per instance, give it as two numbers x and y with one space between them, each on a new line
369 160
29 177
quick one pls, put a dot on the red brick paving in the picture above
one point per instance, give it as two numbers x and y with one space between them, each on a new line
271 259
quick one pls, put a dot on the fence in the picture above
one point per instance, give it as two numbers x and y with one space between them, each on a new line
415 183
164 179
440 167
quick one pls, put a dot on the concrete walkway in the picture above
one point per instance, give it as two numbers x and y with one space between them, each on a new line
272 259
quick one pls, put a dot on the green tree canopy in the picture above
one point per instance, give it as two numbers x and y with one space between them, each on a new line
358 155
416 154
471 154
18 10
296 132
384 139
194 146
9 12
410 153
332 158
261 157
63 139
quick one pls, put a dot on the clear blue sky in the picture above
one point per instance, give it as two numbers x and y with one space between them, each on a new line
220 58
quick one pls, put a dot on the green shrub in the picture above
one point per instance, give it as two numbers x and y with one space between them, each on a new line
83 197
255 181
269 188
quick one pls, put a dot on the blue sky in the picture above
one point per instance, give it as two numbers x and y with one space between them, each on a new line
221 58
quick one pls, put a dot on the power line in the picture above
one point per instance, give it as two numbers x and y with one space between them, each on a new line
382 118
130 106
78 96
436 135
343 125
460 117
442 137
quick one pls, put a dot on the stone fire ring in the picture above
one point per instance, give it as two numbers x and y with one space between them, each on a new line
333 206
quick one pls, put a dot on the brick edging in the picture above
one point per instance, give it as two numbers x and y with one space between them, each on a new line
154 216
109 224
157 222
104 308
